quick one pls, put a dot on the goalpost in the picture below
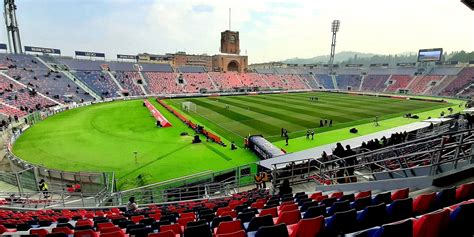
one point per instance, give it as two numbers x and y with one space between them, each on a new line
189 106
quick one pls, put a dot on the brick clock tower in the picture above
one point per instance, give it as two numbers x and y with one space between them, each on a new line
230 42
230 59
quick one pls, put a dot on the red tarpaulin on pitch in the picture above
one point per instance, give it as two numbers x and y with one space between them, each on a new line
158 116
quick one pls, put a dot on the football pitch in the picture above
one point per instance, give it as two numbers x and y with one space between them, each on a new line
104 136
235 117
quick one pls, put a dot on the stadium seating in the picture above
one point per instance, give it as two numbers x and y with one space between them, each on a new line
100 82
252 80
293 82
162 83
375 83
310 81
226 81
346 81
325 81
398 82
197 81
128 81
273 80
421 84
464 79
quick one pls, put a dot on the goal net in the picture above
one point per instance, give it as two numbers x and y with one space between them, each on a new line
189 106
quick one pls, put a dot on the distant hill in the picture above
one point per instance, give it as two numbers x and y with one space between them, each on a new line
339 57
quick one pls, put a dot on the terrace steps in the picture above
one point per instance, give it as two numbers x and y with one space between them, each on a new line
81 84
114 80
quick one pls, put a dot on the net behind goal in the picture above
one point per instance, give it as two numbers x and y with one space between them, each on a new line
189 106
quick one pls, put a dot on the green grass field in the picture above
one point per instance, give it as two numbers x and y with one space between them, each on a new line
103 137
267 114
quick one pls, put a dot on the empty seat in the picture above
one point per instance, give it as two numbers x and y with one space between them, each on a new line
382 198
400 209
341 223
329 201
246 216
372 216
141 232
156 225
445 197
338 207
307 227
62 229
363 194
198 231
272 231
147 221
173 227
348 197
433 224
336 195
313 212
111 229
461 221
134 226
258 222
195 223
307 205
465 191
316 195
39 232
423 203
396 229
400 194
361 203
226 227
270 211
100 226
289 217
215 223
84 233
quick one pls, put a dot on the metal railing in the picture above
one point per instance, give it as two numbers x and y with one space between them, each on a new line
421 157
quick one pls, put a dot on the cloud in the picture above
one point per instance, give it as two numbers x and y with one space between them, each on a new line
269 30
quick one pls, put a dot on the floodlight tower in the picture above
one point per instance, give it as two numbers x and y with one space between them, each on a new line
13 33
334 28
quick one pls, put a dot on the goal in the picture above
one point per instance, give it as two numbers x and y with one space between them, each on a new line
189 106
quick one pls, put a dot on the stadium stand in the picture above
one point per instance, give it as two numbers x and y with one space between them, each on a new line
310 81
162 83
196 81
128 81
346 81
325 81
293 82
420 84
100 82
464 78
244 214
398 82
226 81
375 83
252 80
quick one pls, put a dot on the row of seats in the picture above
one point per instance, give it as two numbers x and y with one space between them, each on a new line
257 213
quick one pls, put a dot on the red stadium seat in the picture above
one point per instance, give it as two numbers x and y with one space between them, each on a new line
100 226
155 216
137 219
433 224
39 232
113 234
85 233
269 211
188 215
184 221
423 203
173 227
289 217
465 191
232 214
110 229
221 210
63 229
336 195
364 194
316 195
227 227
400 194
307 227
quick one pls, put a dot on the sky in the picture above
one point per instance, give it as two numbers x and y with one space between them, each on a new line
269 30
